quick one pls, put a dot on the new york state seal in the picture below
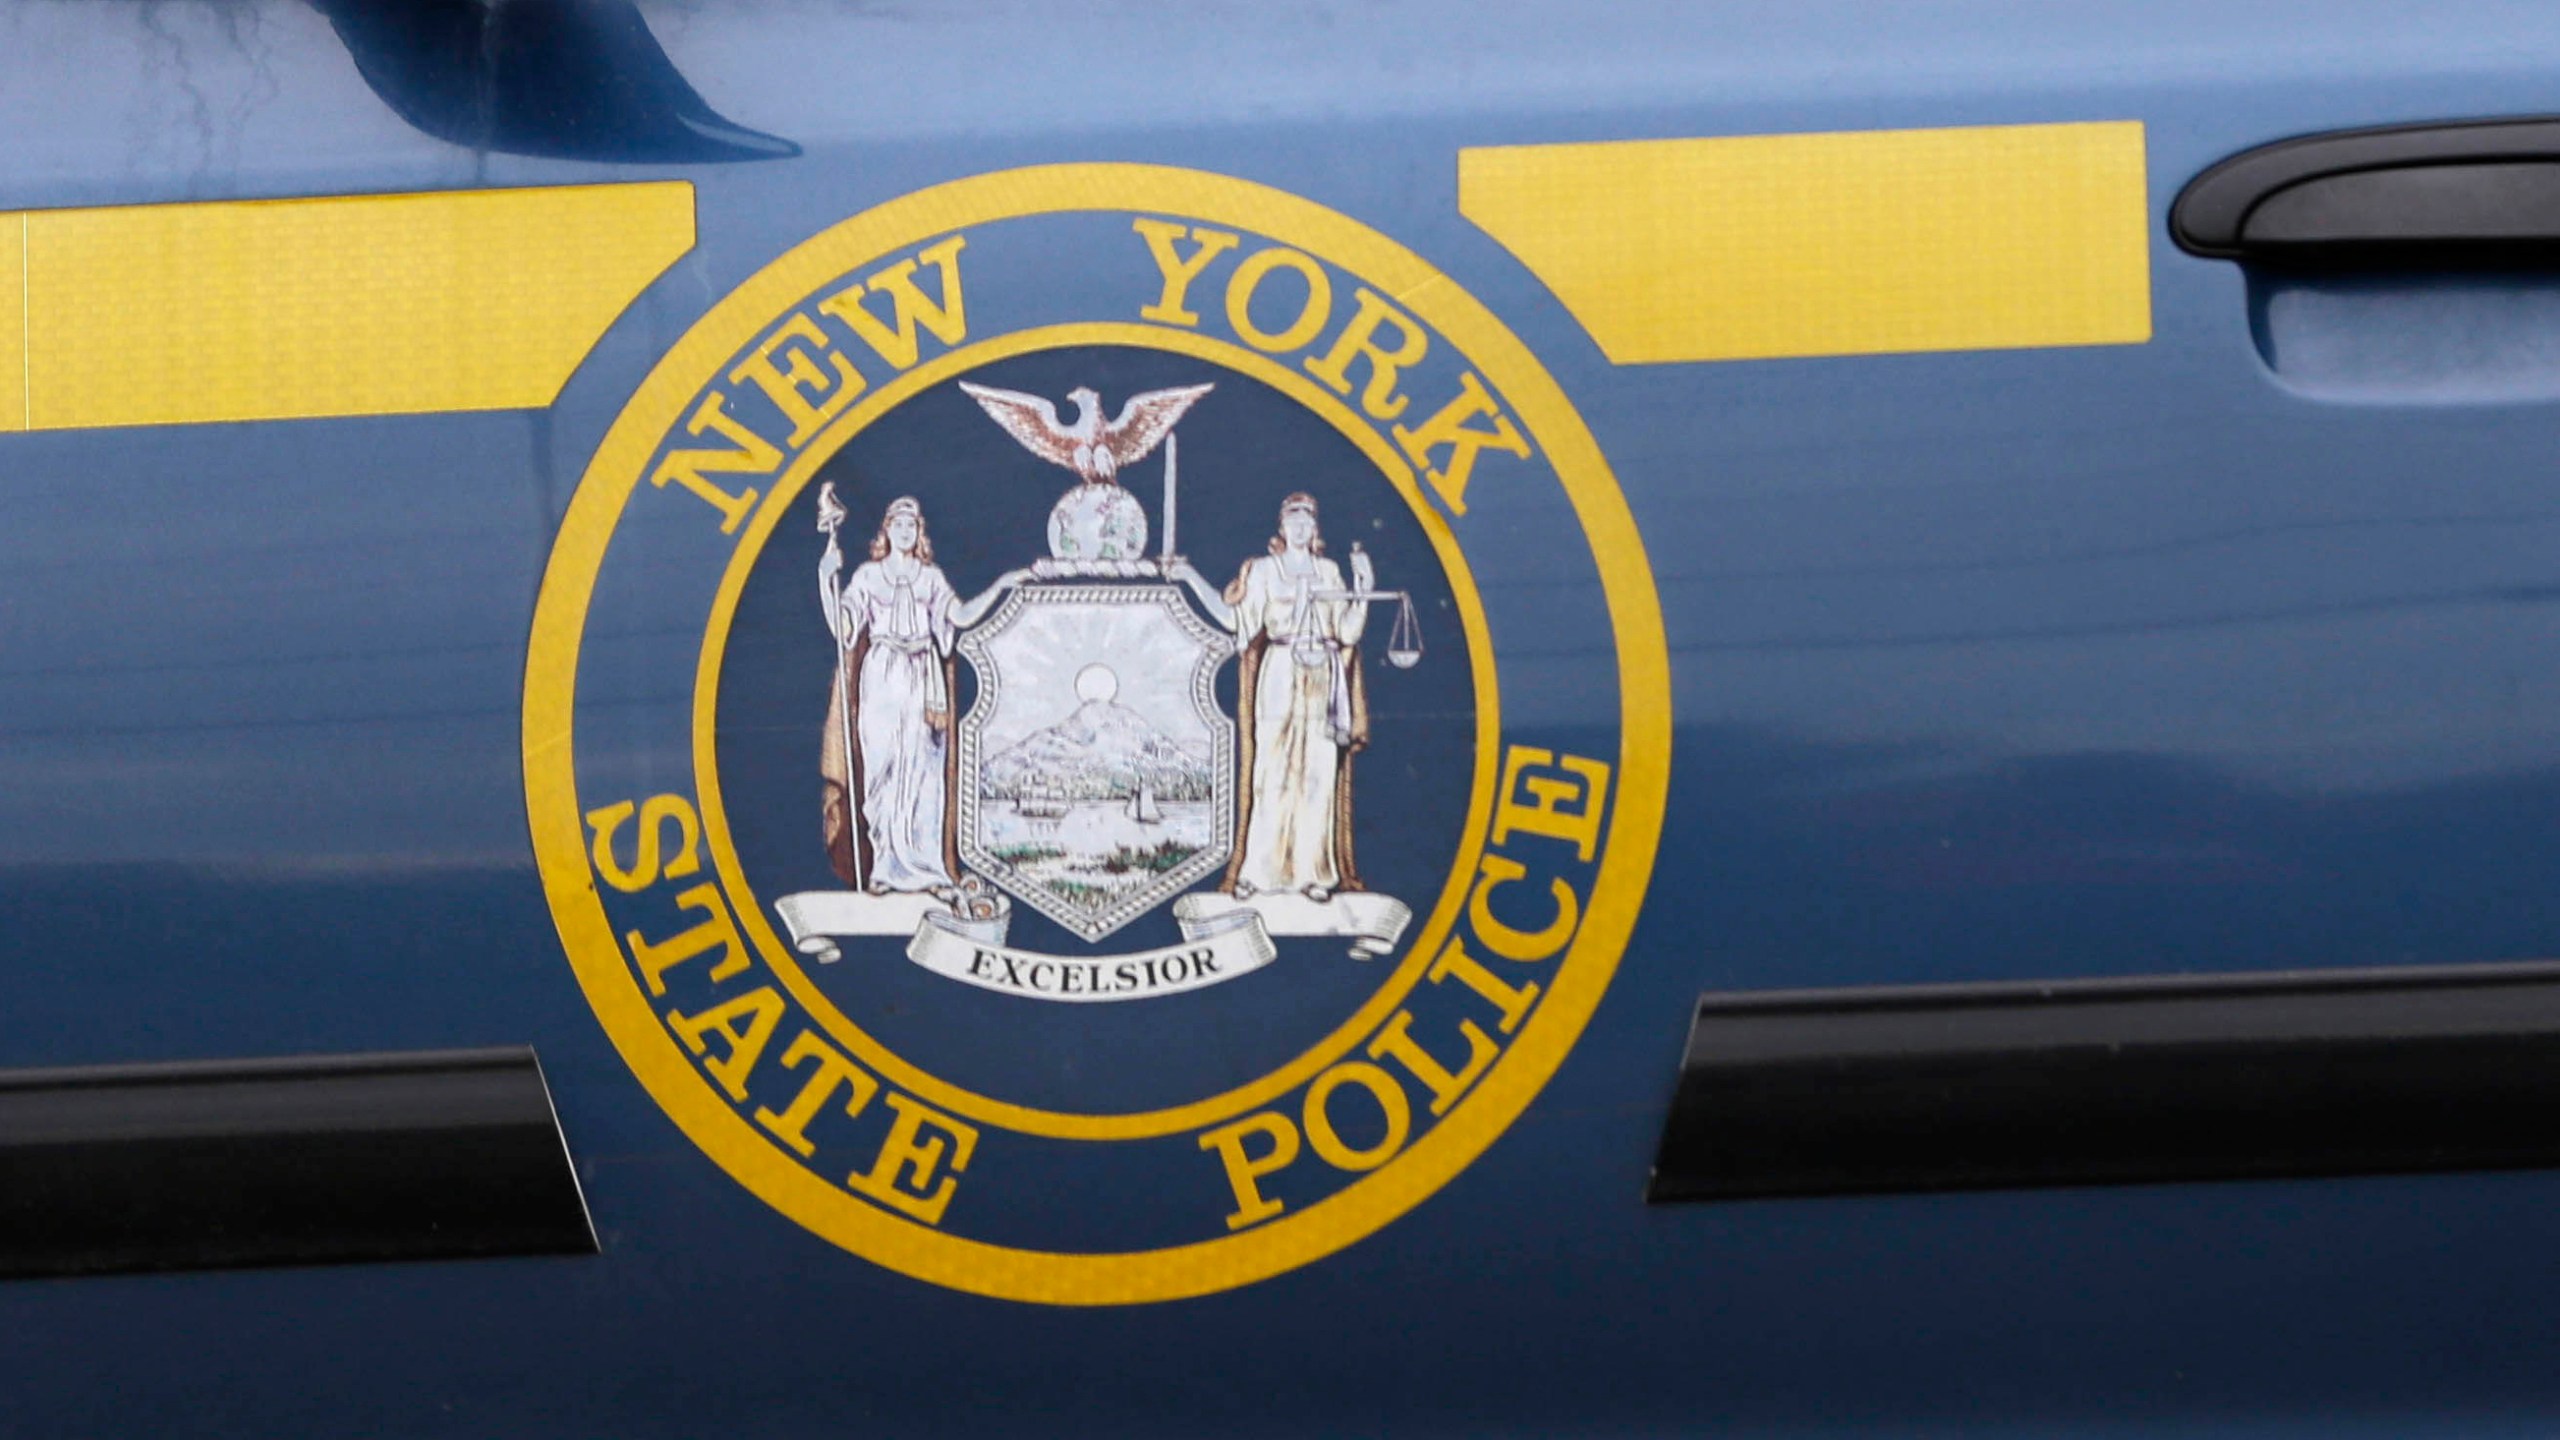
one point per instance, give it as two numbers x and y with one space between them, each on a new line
1027 751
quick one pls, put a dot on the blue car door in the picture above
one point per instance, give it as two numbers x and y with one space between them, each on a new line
784 720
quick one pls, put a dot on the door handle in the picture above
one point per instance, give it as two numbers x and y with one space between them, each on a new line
574 79
2404 192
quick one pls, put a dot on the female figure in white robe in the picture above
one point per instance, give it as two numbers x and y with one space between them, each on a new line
894 622
1302 709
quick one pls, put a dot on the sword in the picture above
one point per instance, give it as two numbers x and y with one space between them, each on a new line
1169 474
831 516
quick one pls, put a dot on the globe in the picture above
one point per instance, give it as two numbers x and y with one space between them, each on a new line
1098 522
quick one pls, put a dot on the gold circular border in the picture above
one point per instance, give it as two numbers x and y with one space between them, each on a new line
1057 1124
1365 1205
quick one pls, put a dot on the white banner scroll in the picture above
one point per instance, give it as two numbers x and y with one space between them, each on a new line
1223 937
1372 923
817 918
939 946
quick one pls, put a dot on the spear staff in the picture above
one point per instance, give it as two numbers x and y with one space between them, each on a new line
831 516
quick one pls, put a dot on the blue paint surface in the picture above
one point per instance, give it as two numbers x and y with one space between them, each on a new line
2039 663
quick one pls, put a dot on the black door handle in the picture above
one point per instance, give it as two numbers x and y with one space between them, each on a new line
2410 192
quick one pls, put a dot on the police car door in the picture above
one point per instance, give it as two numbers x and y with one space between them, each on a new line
749 721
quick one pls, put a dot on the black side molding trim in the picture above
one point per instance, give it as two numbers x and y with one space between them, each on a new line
2452 189
2116 1082
414 1156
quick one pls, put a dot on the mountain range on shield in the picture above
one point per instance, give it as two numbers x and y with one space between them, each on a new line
1103 751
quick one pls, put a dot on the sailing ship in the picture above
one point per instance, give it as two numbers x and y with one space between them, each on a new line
1142 804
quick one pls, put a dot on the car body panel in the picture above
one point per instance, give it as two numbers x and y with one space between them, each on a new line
2013 663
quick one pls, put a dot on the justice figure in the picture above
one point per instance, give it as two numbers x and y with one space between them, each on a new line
894 623
1302 707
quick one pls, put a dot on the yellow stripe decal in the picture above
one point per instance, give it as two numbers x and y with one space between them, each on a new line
13 322
1853 243
345 305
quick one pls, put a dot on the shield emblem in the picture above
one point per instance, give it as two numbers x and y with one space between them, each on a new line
1097 773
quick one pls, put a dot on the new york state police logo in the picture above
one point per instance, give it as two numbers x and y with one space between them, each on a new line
1034 739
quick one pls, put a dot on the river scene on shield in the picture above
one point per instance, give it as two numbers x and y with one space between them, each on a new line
1097 768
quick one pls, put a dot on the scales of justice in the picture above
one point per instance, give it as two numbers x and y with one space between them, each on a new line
1096 777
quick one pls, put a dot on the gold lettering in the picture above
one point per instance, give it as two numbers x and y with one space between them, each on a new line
1444 1084
1512 1000
753 455
1240 287
761 1009
654 813
1501 939
901 1156
1178 272
896 342
1319 1120
1359 338
1449 427
804 394
828 1069
1244 1171
717 931
1539 815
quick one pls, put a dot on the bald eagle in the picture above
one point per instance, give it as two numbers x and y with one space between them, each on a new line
1095 451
